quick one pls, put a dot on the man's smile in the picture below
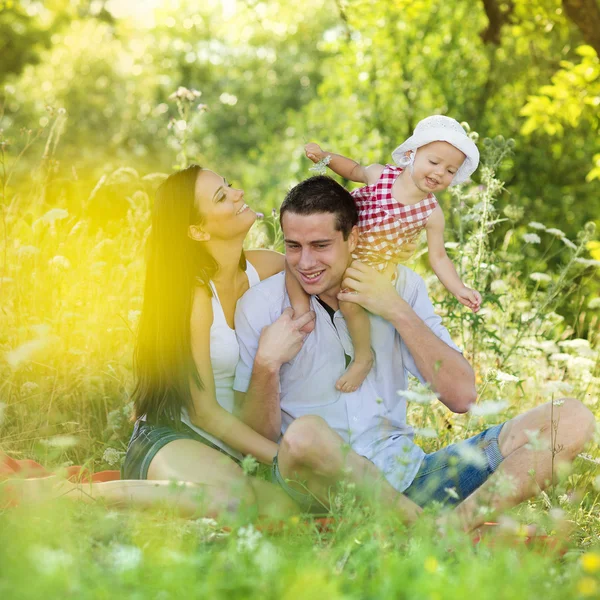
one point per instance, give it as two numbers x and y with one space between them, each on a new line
312 277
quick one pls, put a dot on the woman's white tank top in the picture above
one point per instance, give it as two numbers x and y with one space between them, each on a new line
224 356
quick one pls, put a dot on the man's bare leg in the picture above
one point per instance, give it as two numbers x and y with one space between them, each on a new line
563 430
315 458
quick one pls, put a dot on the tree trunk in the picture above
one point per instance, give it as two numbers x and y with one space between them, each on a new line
585 14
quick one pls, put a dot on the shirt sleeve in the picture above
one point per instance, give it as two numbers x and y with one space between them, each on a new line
415 293
251 315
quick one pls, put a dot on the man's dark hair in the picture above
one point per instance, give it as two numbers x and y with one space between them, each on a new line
321 194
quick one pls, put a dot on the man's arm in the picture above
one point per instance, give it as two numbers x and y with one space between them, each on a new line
443 367
264 348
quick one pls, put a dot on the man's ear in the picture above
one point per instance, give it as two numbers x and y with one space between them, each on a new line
198 234
353 238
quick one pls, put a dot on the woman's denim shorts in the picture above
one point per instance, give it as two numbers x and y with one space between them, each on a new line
148 439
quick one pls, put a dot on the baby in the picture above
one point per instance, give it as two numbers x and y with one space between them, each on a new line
394 206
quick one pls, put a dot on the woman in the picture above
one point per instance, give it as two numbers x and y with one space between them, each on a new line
186 356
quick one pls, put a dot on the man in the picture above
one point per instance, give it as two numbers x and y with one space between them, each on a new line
362 436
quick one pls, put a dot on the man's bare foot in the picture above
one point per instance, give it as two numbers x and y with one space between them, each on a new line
355 374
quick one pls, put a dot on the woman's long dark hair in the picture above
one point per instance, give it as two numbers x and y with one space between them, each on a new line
163 363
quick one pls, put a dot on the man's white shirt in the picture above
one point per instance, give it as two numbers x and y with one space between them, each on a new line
372 419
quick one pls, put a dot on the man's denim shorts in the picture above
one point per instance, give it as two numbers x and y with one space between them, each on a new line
147 440
447 476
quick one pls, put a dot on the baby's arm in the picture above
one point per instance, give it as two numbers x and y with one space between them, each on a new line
343 166
442 265
299 299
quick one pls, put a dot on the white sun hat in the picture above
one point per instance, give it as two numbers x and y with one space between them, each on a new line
439 128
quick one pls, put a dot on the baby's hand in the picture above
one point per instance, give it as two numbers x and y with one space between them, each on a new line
470 298
314 152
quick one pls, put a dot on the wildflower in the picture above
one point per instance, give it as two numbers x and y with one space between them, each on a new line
552 388
321 167
531 238
202 108
498 286
489 407
427 432
540 277
125 558
556 232
588 262
419 398
536 225
112 456
577 344
183 93
580 363
535 443
472 455
249 464
594 303
568 243
503 377
133 316
60 263
431 565
28 251
248 539
61 441
514 213
587 587
28 388
505 485
267 558
24 352
53 215
559 357
50 560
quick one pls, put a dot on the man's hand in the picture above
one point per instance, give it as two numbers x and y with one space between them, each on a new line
372 290
283 339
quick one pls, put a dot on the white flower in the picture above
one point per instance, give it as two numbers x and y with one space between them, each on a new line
580 363
60 263
576 344
540 277
556 232
61 441
568 243
28 251
125 558
452 492
556 388
24 352
53 215
489 407
594 303
588 262
535 443
536 225
498 286
248 539
183 93
503 377
267 557
419 398
28 388
471 455
559 357
426 432
531 238
112 456
50 560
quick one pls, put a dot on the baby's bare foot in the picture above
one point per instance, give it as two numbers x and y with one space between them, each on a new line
356 373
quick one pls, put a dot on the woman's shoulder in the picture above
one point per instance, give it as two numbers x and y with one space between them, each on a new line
266 262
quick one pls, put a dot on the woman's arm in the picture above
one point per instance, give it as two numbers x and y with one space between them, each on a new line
208 413
266 262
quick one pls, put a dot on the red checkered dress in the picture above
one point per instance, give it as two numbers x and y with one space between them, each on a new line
383 223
